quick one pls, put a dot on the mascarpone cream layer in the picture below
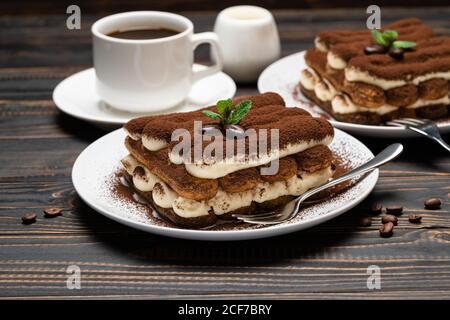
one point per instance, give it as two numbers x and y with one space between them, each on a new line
223 202
153 144
217 169
320 45
134 136
356 75
309 79
144 182
322 88
335 62
342 104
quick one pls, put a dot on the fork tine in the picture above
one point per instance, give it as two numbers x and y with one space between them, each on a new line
268 218
418 121
394 124
405 122
251 216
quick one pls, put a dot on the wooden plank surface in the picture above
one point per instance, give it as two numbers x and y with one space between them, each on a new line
28 7
39 145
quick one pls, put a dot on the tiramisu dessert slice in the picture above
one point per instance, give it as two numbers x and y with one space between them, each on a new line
197 191
370 77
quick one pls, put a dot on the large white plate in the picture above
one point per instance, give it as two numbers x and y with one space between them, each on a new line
282 77
94 170
76 96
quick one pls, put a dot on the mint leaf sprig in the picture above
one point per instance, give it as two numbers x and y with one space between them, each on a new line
228 115
403 44
388 38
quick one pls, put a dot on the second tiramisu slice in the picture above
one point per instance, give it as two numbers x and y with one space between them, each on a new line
370 77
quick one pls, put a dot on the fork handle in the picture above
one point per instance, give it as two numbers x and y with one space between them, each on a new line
388 154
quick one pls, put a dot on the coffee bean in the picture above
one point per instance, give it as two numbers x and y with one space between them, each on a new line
376 208
396 53
29 218
374 49
414 218
211 130
387 229
395 210
389 218
432 203
365 222
234 130
52 212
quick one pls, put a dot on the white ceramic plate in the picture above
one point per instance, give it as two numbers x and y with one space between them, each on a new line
77 97
282 77
95 168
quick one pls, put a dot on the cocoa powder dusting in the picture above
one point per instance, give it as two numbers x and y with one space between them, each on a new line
123 190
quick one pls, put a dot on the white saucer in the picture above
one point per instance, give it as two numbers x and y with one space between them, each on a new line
77 97
282 77
95 168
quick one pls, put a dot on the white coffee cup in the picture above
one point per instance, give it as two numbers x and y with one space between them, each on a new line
148 75
249 40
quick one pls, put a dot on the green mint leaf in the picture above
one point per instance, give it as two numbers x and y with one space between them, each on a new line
212 114
240 112
403 44
224 107
378 36
390 35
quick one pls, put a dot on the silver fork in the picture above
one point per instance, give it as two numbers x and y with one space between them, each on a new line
423 126
292 208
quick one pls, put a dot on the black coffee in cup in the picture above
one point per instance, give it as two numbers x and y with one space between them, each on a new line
143 34
153 52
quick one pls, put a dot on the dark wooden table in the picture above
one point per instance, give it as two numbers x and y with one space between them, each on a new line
38 146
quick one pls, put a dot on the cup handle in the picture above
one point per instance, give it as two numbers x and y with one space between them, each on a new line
213 40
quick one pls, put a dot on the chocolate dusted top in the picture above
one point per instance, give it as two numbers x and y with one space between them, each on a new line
162 126
268 112
429 56
347 43
294 126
